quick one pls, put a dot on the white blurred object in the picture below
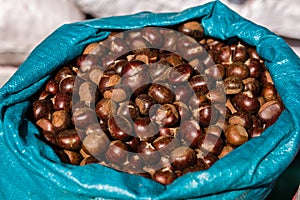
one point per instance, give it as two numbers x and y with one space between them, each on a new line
24 24
281 17
106 8
5 73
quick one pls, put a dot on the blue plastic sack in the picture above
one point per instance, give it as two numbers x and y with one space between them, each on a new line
31 170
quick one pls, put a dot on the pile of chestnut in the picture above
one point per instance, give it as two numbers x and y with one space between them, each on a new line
157 102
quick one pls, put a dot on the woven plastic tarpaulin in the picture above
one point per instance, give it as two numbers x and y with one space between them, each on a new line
31 170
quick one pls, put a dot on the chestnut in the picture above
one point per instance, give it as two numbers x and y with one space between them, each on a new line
87 60
180 73
209 159
52 86
183 110
190 132
170 40
240 53
95 144
193 29
105 108
269 92
134 165
88 92
69 139
94 128
233 85
166 115
128 109
174 59
246 102
215 97
148 153
144 103
46 125
182 157
117 152
138 84
62 101
63 73
224 55
88 160
153 36
197 100
83 117
117 94
241 118
74 157
251 84
61 120
133 67
42 109
161 94
66 84
108 80
216 72
206 115
270 111
145 129
199 83
164 176
159 71
237 69
165 144
118 46
183 93
120 128
212 140
168 131
255 67
236 135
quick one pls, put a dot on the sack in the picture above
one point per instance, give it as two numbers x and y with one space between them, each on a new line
31 170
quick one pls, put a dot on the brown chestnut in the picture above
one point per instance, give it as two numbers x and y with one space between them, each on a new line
193 29
144 103
61 120
269 92
270 111
182 157
233 85
180 73
236 135
246 102
42 109
237 69
52 86
117 152
206 115
164 176
144 128
161 94
105 108
120 128
200 83
190 132
69 139
95 144
241 118
166 115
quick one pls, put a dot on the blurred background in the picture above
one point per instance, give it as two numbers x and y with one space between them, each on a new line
24 24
